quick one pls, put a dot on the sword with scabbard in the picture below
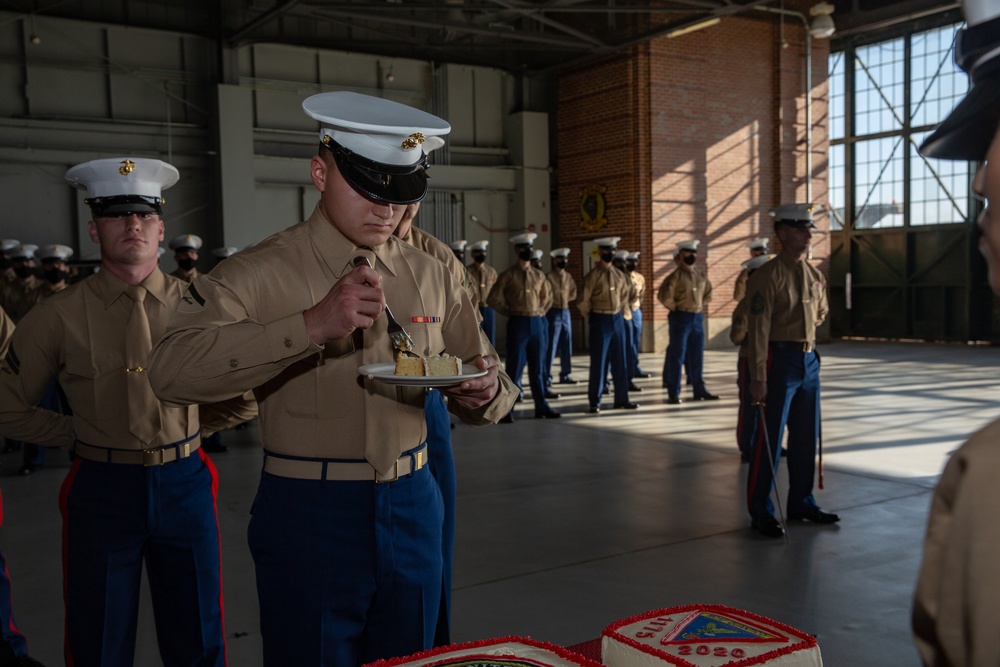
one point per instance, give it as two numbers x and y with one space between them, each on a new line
774 472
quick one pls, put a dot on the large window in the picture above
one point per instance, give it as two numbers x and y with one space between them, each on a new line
885 98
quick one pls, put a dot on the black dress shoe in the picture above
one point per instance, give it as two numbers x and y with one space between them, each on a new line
632 387
744 457
814 514
767 526
507 418
594 409
706 397
605 391
551 395
27 469
643 374
627 405
547 413
674 400
568 380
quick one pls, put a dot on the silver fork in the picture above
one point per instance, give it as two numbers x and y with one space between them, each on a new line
397 334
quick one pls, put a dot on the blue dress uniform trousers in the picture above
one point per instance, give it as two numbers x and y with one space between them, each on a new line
527 341
687 341
793 399
347 572
607 347
117 517
441 460
635 339
12 642
489 324
749 414
560 343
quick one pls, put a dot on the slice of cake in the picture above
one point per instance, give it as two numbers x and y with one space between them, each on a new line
415 365
706 636
500 652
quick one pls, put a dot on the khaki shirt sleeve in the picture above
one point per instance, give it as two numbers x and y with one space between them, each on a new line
665 295
497 300
738 329
583 303
760 306
571 291
547 296
219 416
6 333
823 307
740 289
215 349
956 609
33 359
707 294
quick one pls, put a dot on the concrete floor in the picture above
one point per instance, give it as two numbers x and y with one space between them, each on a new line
565 526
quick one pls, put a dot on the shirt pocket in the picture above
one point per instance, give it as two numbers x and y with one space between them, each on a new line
94 384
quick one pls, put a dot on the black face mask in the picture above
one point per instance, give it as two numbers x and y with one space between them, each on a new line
525 255
23 272
479 259
630 267
607 256
54 276
5 263
690 259
186 263
561 264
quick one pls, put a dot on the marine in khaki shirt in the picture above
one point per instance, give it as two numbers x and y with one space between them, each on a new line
956 611
563 288
560 321
185 249
787 302
483 277
136 457
686 290
346 501
20 294
757 247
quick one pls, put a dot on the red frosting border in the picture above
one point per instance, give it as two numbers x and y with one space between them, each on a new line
560 651
808 641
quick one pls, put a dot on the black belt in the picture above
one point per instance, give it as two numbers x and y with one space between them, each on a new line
797 345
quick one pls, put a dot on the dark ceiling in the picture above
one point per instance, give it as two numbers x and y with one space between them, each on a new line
516 35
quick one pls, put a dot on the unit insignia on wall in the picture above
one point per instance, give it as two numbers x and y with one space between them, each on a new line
592 207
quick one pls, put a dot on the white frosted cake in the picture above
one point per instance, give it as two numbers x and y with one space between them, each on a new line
706 636
501 652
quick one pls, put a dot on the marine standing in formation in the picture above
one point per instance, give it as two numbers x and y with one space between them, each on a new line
747 421
346 532
483 278
560 323
685 292
185 247
757 248
787 303
140 491
639 283
524 296
607 294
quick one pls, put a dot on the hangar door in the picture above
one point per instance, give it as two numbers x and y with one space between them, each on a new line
904 263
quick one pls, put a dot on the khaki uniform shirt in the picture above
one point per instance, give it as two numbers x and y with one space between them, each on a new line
241 328
519 291
483 277
956 612
186 276
639 281
563 288
739 326
606 291
6 333
20 296
77 336
685 290
740 289
787 302
441 250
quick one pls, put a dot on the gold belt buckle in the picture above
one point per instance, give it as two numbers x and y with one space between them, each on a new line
395 474
184 451
152 457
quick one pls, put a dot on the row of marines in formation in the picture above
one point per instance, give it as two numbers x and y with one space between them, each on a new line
352 528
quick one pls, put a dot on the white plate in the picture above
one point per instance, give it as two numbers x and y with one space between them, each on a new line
387 373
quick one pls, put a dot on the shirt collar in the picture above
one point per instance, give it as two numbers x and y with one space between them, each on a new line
337 251
110 287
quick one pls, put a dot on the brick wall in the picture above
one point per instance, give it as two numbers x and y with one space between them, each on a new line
693 137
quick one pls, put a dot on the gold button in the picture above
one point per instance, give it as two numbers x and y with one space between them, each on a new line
288 342
233 363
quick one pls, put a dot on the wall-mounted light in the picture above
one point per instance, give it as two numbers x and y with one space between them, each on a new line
701 25
822 25
389 75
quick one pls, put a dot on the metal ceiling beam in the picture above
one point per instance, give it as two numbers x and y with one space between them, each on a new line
535 15
261 20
